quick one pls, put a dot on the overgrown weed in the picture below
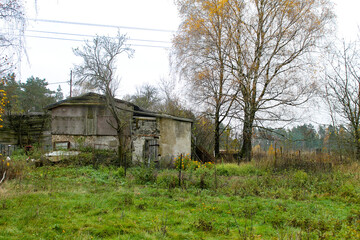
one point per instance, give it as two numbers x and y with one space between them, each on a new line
289 203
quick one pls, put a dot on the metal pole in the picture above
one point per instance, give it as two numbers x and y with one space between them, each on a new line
71 83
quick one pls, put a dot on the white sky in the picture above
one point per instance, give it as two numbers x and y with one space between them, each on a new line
53 59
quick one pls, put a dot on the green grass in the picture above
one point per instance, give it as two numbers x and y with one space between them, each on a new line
241 202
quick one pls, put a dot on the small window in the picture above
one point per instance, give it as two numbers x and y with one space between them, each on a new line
61 145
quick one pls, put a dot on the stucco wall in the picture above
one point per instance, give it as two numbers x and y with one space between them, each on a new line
175 137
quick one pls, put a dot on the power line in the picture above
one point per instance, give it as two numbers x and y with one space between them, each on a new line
78 40
100 25
55 38
82 40
92 36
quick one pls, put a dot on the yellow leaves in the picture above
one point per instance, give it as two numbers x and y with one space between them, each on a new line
271 151
193 24
202 75
257 148
291 3
215 7
294 7
204 13
3 100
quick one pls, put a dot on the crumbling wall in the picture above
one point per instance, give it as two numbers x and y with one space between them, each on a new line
167 137
97 142
144 128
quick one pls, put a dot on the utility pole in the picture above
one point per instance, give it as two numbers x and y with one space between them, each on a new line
71 83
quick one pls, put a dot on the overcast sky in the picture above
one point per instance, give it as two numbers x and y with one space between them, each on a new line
49 44
150 25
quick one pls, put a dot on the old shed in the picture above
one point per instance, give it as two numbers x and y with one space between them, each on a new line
85 120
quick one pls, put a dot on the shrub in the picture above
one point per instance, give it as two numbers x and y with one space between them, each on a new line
94 157
19 154
300 178
232 169
208 165
203 224
83 159
35 153
105 157
11 169
348 190
127 199
144 174
119 172
185 162
204 178
167 179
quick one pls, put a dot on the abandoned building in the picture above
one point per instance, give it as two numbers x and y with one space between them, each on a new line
25 129
86 120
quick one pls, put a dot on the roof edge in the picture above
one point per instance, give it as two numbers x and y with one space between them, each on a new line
138 111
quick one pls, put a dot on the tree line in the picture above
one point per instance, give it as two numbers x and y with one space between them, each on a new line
30 96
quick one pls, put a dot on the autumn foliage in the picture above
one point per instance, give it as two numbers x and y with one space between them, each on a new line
249 59
3 100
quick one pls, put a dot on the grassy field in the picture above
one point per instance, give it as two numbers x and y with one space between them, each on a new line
250 201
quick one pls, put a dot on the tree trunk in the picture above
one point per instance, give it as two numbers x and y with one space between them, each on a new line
120 150
245 152
357 148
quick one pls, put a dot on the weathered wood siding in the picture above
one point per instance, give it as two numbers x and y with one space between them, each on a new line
25 129
83 120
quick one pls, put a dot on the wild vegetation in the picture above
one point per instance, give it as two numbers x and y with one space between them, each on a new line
247 62
258 200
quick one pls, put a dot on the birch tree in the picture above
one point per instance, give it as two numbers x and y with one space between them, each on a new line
343 90
12 22
266 46
200 48
272 45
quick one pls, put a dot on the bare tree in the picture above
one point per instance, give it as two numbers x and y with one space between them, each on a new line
146 96
171 102
12 22
98 71
343 89
271 41
256 50
200 48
